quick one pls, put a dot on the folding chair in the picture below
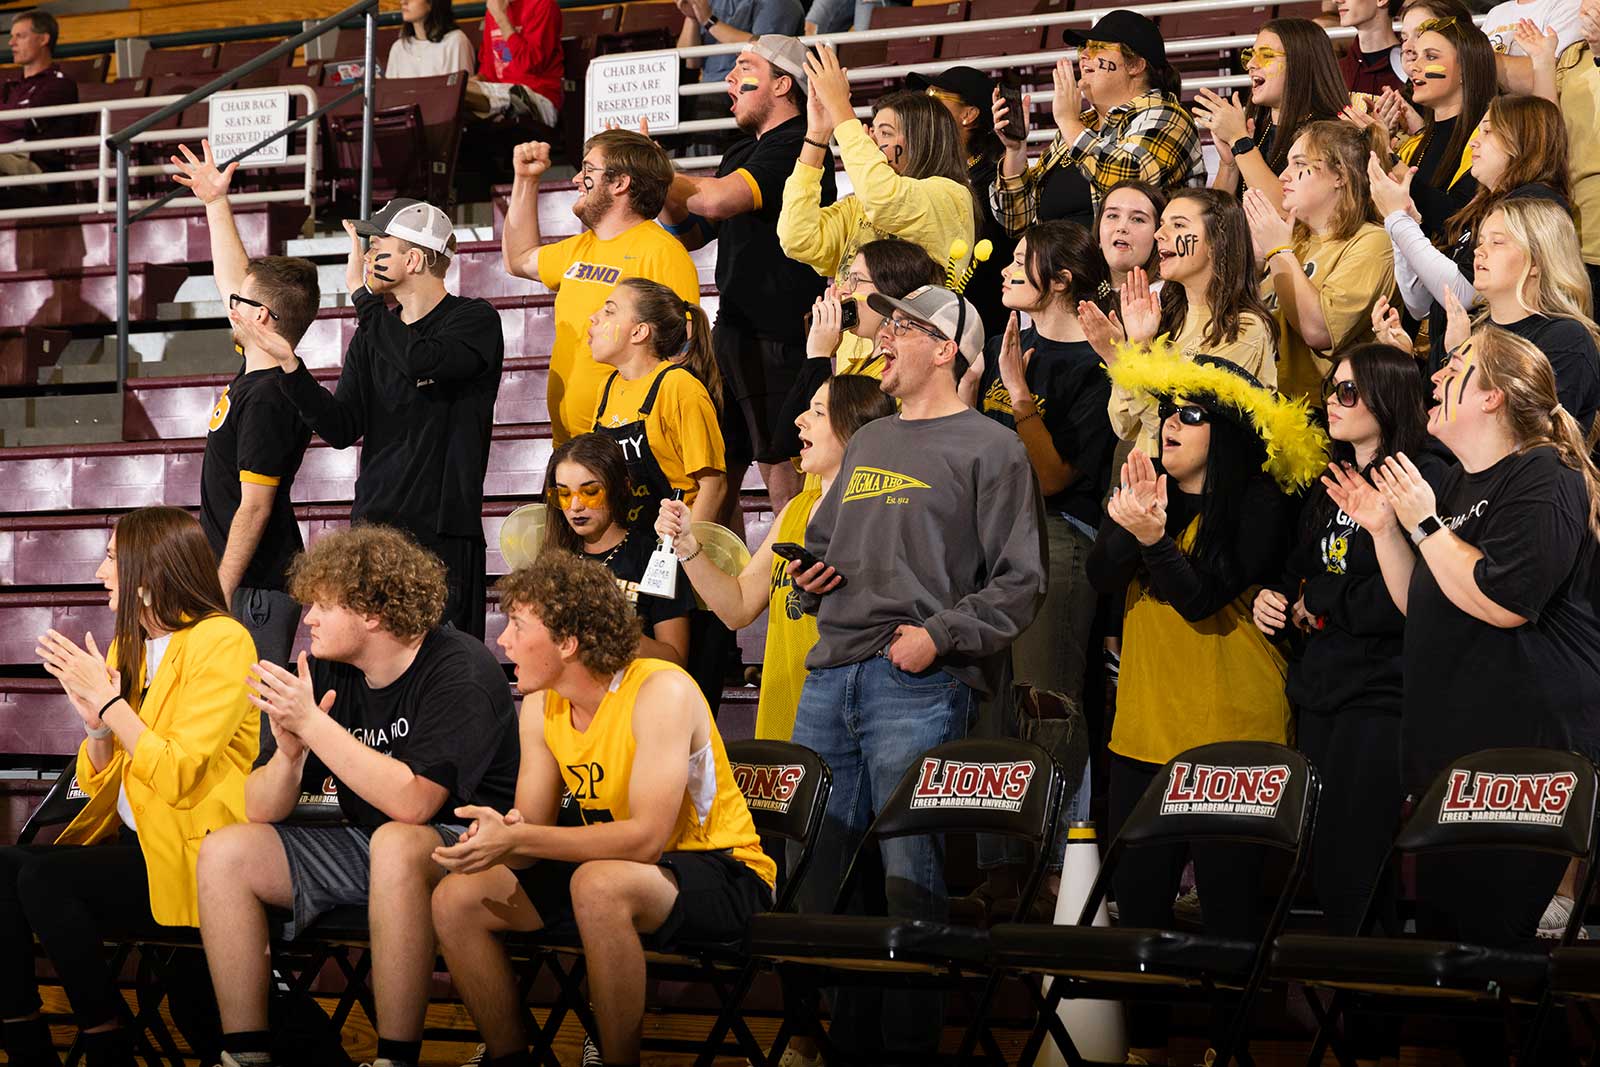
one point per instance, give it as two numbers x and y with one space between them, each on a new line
786 787
1245 792
1521 799
1004 787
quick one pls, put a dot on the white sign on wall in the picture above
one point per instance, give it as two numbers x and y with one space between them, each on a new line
622 89
242 119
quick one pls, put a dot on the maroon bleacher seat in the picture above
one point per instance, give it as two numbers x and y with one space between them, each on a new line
591 22
27 350
36 718
1005 9
167 235
88 70
416 137
67 297
180 61
236 53
352 44
645 25
997 43
916 49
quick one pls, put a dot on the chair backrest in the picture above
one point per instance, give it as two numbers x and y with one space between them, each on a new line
237 53
1246 791
89 69
59 806
786 788
319 806
1535 799
180 61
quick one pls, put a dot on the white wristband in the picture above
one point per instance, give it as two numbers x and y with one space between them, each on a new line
100 734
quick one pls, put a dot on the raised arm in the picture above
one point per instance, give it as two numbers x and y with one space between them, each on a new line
737 601
519 244
210 185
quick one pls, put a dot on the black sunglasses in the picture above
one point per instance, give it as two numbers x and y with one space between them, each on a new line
1345 392
234 300
1188 414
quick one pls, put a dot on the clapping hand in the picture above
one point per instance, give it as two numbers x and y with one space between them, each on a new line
287 699
1357 498
1386 327
1067 105
1139 505
1141 308
1268 229
485 843
829 84
1457 326
1408 493
1224 117
1014 365
1101 330
83 673
1539 44
1388 194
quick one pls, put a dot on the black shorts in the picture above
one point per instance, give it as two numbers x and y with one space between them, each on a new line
716 897
757 375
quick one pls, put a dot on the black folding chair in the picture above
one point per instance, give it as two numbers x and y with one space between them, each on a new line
786 788
1521 799
1244 792
1003 787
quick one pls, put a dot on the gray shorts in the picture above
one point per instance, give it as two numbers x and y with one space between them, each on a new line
330 867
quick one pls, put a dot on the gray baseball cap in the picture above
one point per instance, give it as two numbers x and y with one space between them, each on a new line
785 53
411 220
952 315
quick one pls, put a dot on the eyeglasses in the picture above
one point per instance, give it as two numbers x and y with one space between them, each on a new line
1345 392
1188 414
592 495
901 327
946 95
1438 25
589 168
1266 55
853 281
234 300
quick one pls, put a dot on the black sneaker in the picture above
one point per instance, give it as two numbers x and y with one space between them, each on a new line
591 1053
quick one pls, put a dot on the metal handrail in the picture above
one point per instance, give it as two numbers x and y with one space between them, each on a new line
118 142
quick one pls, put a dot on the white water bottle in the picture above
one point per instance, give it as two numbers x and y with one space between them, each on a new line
1096 1026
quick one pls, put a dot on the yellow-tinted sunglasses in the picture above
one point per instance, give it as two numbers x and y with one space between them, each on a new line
1091 49
1438 25
1264 54
592 494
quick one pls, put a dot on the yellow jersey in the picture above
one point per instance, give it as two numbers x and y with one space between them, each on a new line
582 271
790 631
682 430
1232 683
597 766
1578 82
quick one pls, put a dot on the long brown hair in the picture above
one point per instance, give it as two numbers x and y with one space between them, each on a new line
166 572
1315 92
679 331
933 141
1533 411
1344 149
1158 204
1058 248
1232 293
1475 55
853 401
600 456
1534 134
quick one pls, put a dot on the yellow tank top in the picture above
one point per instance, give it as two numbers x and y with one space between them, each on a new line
597 764
790 631
1230 687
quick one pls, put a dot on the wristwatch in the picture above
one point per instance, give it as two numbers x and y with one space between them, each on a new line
1243 146
711 20
1425 529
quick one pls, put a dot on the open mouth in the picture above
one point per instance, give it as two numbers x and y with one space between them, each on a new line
805 444
1120 245
1166 254
1170 442
1256 82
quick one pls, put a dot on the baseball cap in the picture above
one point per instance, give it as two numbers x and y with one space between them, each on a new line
973 86
411 220
946 312
785 53
1128 28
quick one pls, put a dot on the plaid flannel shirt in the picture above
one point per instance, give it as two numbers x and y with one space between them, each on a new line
1150 138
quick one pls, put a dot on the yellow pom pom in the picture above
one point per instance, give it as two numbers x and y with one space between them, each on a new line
958 250
983 251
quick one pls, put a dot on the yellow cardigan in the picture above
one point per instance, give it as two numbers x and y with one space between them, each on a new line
932 212
186 775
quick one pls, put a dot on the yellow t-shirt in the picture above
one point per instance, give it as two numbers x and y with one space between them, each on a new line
1134 415
1349 277
583 270
597 767
932 212
681 429
790 631
857 355
1578 82
1231 687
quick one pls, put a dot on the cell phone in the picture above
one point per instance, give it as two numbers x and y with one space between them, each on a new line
1011 93
799 554
849 315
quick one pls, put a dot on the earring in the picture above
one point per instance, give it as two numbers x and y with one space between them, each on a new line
144 595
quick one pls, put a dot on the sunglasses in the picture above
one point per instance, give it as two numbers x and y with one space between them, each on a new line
592 495
1188 414
234 300
1091 49
1345 392
1262 53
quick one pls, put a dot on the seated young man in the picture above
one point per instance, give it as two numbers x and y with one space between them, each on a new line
412 720
667 846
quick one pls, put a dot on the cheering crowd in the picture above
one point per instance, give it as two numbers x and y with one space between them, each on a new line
1303 445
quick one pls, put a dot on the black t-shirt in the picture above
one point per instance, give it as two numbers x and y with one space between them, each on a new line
420 399
1071 391
449 718
1574 358
255 436
984 288
1354 660
1471 686
768 293
628 561
1435 195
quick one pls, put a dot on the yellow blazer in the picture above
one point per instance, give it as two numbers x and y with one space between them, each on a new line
186 775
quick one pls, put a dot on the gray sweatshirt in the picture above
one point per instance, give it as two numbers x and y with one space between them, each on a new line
935 523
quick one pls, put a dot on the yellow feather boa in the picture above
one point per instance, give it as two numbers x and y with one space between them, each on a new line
1297 448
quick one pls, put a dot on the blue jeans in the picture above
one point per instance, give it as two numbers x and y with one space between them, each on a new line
870 721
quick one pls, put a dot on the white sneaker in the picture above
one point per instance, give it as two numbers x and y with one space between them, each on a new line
591 1053
1557 913
793 1057
478 1056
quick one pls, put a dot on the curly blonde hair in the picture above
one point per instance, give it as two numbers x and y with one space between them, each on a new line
374 570
576 598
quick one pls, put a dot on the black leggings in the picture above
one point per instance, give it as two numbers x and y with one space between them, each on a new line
1228 878
74 898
